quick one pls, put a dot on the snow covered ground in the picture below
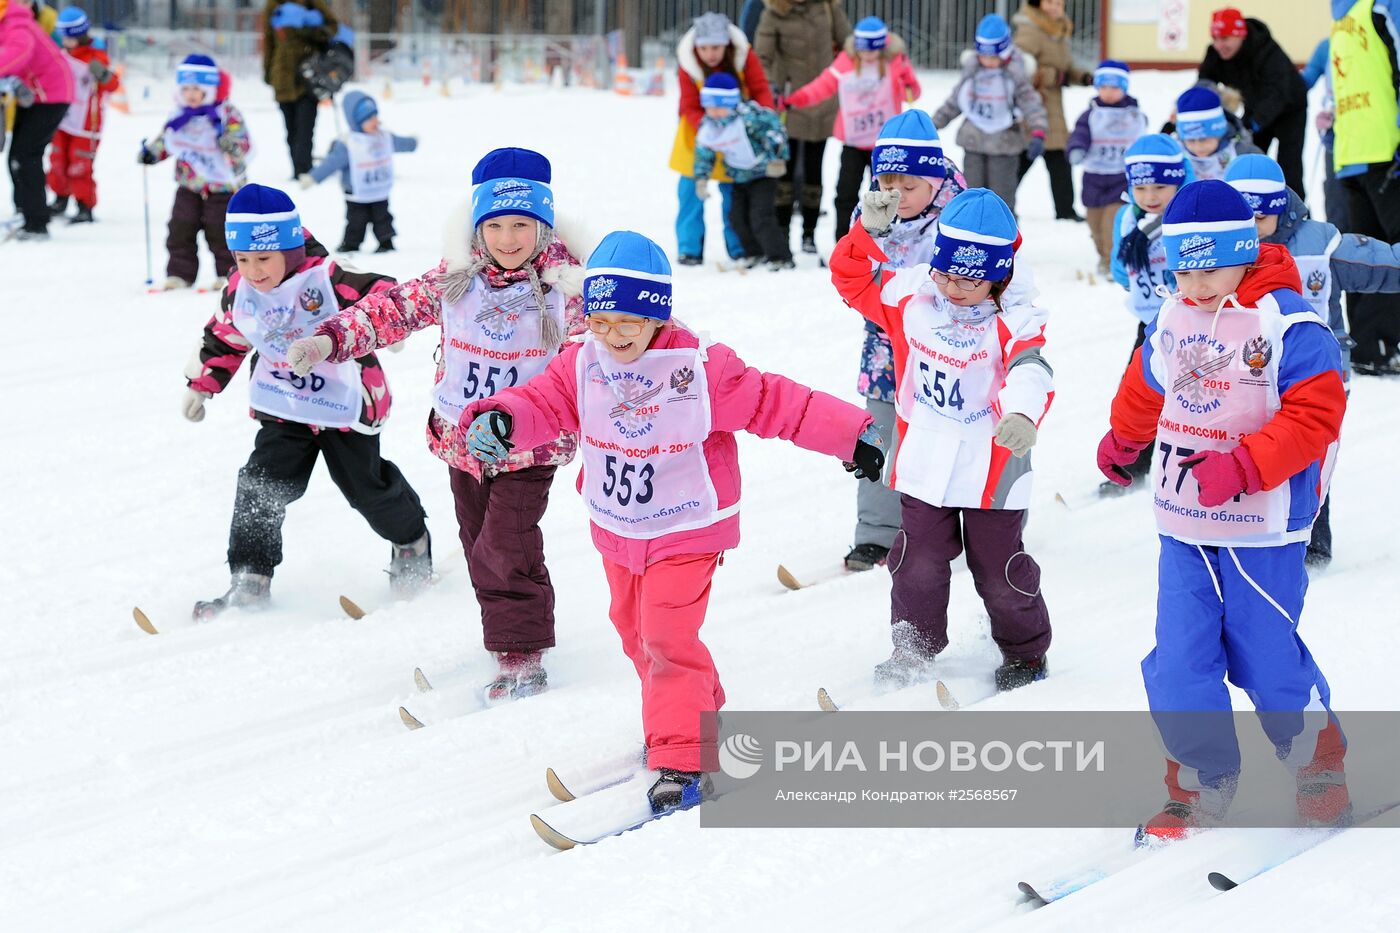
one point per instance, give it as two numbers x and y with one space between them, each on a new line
253 774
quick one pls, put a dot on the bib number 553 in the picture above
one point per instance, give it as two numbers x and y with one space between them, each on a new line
618 481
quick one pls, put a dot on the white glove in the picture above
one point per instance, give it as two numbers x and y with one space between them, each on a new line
877 210
307 352
702 187
1016 433
192 407
306 181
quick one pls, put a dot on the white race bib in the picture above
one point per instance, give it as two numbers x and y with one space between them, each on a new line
866 105
983 99
84 87
1111 131
643 429
1316 273
371 166
198 144
730 140
329 396
491 341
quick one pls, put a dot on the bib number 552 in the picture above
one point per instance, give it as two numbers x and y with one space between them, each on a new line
476 387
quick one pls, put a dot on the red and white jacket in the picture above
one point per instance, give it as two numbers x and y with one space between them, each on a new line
958 371
89 94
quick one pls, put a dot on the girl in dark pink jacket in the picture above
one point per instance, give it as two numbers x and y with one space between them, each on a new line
656 408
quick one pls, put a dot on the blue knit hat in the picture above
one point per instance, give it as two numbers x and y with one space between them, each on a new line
289 16
512 181
976 237
721 90
628 274
908 145
1199 115
871 34
262 219
1156 159
993 37
1260 179
359 107
1209 225
1112 73
198 70
72 22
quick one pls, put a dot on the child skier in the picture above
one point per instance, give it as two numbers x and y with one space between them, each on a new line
1155 169
755 149
210 144
972 388
506 298
907 159
1329 263
283 286
658 407
1238 388
873 80
1101 136
364 157
74 145
1211 136
1000 108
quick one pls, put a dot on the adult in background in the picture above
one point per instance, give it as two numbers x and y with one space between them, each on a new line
292 33
796 41
1366 155
28 54
1318 69
1043 31
1244 55
713 44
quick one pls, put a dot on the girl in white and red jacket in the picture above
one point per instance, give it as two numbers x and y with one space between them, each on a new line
971 388
873 80
657 408
283 287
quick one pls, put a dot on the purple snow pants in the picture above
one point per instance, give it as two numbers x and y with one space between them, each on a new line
1006 577
498 518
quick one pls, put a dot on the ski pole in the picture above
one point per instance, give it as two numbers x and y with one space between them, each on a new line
146 211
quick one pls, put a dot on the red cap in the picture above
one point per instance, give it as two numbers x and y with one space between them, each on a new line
1227 23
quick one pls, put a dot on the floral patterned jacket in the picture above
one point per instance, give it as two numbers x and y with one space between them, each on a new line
910 242
388 317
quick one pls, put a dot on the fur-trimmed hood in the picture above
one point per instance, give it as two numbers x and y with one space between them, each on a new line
457 247
690 63
894 47
1060 27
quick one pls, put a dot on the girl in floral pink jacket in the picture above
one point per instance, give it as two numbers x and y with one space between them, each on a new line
506 302
656 408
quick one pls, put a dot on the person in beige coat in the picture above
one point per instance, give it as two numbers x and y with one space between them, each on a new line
796 41
1043 30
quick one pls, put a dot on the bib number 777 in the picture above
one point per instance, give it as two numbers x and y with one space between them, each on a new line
944 391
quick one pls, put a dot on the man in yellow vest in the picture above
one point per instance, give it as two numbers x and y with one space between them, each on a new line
1365 84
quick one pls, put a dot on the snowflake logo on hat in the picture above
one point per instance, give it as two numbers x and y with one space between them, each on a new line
510 186
262 232
1254 200
969 255
601 288
1140 170
1196 245
894 154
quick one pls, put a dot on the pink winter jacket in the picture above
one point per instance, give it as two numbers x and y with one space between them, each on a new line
903 83
25 52
741 399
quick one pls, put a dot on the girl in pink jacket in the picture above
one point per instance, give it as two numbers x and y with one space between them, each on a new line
873 79
656 408
30 57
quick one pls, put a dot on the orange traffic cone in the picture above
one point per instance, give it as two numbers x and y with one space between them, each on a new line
622 79
117 99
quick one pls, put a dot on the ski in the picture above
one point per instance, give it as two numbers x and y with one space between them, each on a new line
609 812
143 621
352 608
409 720
590 779
790 580
825 702
945 697
1116 860
738 267
1302 842
420 681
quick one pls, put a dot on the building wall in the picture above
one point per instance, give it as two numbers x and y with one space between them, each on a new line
1297 25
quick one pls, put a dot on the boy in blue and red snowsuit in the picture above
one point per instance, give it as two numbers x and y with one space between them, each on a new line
1239 384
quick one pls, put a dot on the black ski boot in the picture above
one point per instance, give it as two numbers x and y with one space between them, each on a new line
58 206
246 591
385 246
83 216
677 790
866 556
1019 672
411 566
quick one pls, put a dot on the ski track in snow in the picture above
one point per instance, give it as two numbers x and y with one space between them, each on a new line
252 773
